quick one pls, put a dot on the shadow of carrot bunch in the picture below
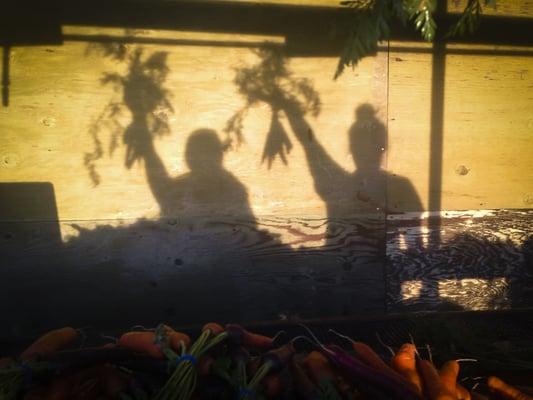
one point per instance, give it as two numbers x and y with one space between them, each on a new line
270 81
140 90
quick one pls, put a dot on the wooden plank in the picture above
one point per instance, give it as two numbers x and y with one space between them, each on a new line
409 125
115 274
484 261
260 235
487 131
47 137
487 125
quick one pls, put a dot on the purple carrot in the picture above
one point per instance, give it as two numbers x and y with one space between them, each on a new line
356 369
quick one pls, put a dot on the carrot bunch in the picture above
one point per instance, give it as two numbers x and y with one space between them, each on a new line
244 365
14 376
182 382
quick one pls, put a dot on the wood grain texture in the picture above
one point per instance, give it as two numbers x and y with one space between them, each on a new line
261 236
487 127
58 123
112 274
484 261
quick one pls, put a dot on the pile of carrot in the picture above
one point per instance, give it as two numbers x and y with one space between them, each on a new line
230 362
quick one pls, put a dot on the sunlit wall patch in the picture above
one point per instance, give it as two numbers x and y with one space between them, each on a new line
472 294
410 290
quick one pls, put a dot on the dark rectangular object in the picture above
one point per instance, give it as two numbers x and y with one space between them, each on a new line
27 201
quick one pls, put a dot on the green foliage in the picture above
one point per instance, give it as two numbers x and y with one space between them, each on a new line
370 26
470 18
372 19
421 12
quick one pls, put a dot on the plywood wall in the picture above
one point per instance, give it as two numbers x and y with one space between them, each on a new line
302 233
487 125
57 96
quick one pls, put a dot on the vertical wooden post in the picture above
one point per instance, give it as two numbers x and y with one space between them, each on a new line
436 140
437 131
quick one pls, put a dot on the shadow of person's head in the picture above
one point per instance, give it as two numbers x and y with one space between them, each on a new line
368 139
204 152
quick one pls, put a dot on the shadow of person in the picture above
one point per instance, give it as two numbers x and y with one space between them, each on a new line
206 222
207 190
358 199
368 146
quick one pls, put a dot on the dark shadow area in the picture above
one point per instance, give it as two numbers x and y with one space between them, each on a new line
436 139
28 201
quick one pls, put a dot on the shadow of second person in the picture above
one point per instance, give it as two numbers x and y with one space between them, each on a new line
359 198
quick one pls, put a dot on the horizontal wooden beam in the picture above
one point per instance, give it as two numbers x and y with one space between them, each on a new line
319 26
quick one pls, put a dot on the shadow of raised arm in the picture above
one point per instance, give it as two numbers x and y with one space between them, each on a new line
156 173
327 174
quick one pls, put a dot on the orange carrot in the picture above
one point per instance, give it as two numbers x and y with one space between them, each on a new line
141 342
247 338
176 338
448 376
462 393
215 328
366 354
434 389
404 362
505 390
430 378
51 342
319 367
258 341
303 385
279 357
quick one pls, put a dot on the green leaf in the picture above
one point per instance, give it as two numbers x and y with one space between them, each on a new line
469 20
367 29
421 11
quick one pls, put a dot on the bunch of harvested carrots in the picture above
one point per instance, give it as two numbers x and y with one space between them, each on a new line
229 362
